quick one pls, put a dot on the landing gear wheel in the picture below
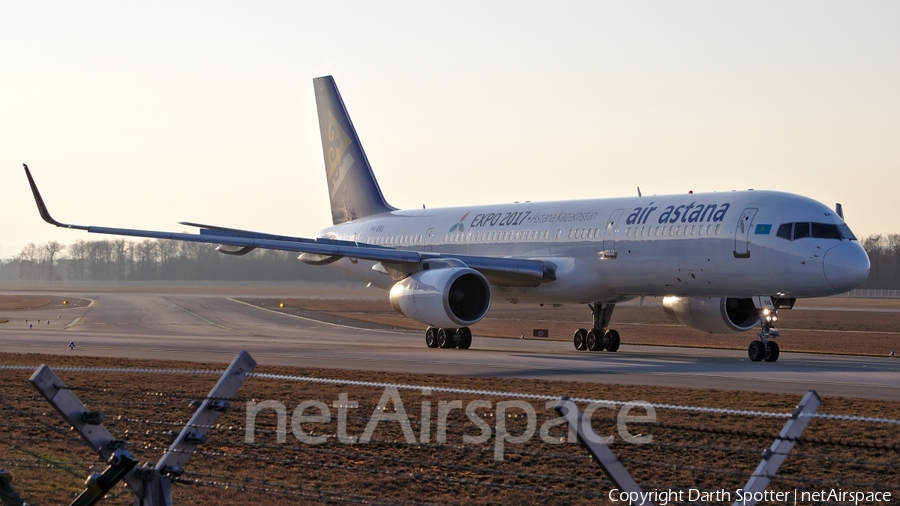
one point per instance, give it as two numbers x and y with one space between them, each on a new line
431 339
756 351
580 339
465 338
772 351
595 341
612 340
445 339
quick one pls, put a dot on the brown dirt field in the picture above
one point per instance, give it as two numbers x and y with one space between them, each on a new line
20 302
709 451
23 301
846 332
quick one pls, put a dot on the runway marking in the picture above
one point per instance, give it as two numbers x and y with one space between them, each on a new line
74 322
210 321
305 318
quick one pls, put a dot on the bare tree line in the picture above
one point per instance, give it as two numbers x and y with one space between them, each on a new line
155 260
884 254
151 259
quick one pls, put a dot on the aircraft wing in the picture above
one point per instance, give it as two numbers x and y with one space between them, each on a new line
501 271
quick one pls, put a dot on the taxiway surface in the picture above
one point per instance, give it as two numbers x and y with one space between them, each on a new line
214 328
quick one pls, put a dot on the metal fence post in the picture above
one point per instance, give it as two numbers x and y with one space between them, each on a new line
89 424
156 482
150 484
778 452
99 484
604 457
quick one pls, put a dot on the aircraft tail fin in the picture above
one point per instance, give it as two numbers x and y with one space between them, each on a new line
352 188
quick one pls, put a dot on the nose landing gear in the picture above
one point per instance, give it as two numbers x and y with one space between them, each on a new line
599 338
764 349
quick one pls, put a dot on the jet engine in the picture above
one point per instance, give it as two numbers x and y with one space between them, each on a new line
448 297
715 315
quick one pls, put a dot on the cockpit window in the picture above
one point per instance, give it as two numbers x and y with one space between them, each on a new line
825 231
784 231
793 231
846 233
801 230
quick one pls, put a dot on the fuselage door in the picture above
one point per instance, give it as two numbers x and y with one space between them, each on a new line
429 240
609 234
742 233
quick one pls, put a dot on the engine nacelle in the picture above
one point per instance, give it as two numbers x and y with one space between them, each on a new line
448 297
715 315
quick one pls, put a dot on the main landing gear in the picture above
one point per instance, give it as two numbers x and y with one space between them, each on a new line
764 349
448 338
599 338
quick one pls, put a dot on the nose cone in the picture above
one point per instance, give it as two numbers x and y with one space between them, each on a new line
846 266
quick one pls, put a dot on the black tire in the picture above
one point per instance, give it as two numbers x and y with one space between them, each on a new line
465 338
431 337
612 340
443 338
595 341
580 339
756 351
772 351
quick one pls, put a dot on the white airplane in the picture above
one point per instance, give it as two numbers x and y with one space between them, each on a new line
724 262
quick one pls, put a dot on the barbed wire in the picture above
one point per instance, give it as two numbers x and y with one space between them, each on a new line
357 453
35 460
412 475
361 455
861 462
712 430
684 467
488 393
849 418
795 454
64 466
72 441
877 485
457 467
516 395
33 416
125 370
399 386
770 436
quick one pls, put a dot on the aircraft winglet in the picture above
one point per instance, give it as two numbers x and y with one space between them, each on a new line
42 208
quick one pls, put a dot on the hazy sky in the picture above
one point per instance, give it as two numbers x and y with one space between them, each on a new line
144 114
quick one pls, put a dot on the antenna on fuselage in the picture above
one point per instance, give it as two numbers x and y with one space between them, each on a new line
839 210
639 192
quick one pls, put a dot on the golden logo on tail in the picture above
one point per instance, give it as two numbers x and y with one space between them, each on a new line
338 163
